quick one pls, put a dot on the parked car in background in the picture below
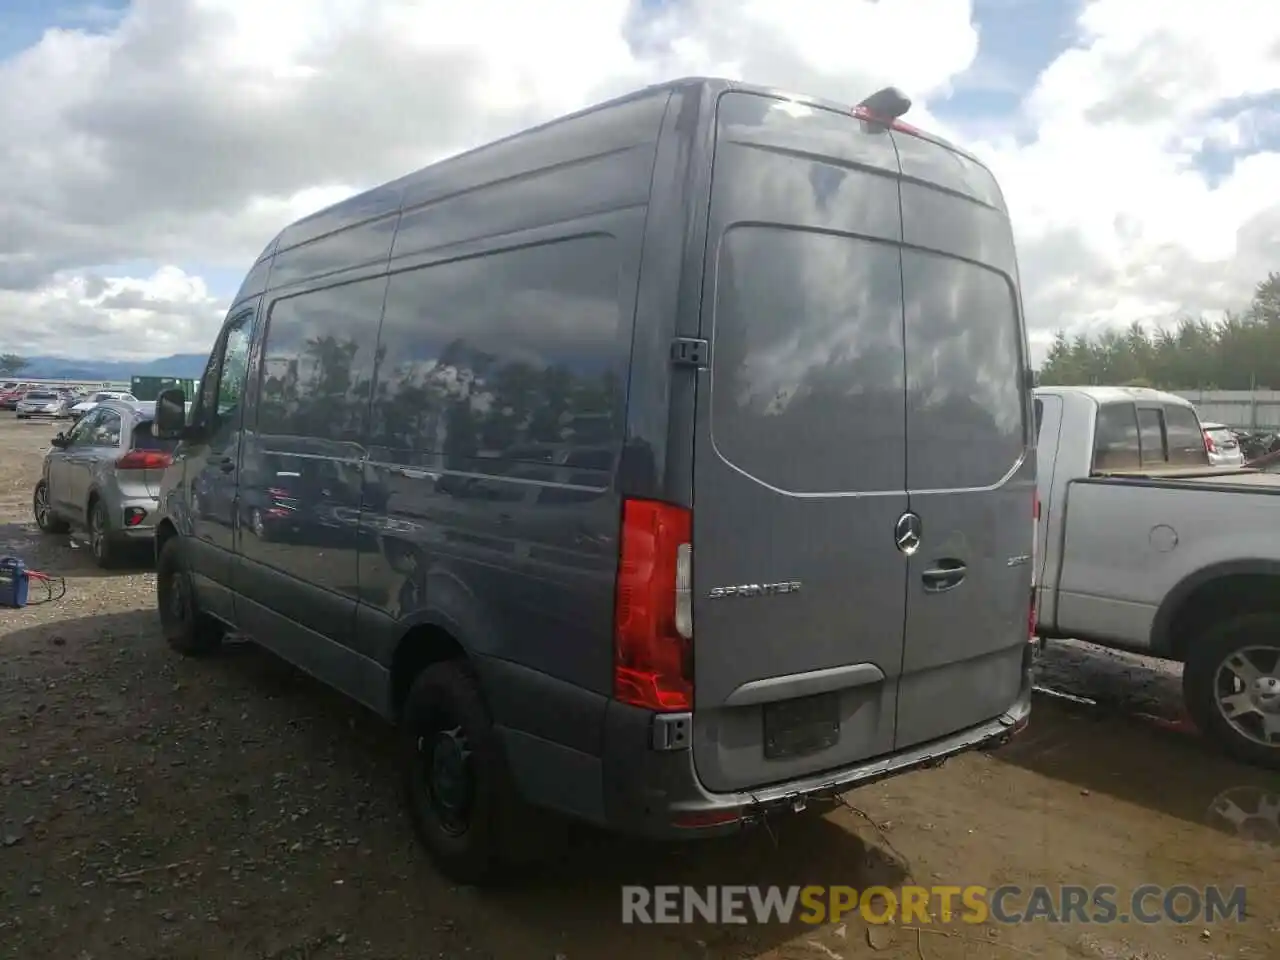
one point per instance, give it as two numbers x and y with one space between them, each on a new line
11 394
862 558
1146 547
1222 445
102 476
84 406
44 404
1257 443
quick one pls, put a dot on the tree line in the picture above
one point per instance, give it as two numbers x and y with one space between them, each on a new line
1239 352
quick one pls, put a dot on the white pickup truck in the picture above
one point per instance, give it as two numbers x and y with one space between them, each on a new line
1145 547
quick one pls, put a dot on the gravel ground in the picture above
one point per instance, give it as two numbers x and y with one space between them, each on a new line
152 807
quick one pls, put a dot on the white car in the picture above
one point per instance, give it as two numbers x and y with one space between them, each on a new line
84 406
1221 445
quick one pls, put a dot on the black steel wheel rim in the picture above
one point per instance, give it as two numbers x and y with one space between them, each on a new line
447 775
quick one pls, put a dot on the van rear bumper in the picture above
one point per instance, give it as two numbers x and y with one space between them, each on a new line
657 793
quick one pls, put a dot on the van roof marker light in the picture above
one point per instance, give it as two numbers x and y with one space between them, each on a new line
885 108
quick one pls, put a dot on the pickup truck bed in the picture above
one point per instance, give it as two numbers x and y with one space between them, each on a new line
1180 561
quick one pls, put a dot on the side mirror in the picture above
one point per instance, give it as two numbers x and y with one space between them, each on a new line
59 441
171 414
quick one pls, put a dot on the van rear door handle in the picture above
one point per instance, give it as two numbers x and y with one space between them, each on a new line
946 575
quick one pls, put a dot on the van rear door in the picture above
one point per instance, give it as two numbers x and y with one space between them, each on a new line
970 452
799 465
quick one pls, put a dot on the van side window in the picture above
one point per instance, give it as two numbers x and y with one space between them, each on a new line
234 367
1185 438
493 355
317 362
1115 443
1039 417
1151 437
222 385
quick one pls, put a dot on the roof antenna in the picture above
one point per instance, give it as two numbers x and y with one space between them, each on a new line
888 104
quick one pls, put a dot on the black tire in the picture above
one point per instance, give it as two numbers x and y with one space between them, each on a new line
1256 638
106 553
186 628
46 519
486 841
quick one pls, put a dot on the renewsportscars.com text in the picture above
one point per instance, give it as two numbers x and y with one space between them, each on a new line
1010 904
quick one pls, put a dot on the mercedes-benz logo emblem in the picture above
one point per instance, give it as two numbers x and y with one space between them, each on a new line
906 533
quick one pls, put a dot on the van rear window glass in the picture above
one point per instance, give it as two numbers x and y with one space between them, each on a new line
966 420
807 365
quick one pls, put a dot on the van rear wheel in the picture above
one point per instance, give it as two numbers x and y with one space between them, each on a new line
457 787
1231 685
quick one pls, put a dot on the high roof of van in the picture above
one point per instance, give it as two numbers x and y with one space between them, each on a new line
1116 394
387 198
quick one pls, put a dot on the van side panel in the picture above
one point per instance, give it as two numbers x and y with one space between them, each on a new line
496 431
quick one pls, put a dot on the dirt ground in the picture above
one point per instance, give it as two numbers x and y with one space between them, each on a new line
152 807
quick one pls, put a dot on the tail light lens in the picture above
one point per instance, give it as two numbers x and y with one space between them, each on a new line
653 617
144 460
1209 445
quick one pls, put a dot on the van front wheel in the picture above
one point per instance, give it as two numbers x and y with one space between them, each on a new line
186 628
1231 685
457 787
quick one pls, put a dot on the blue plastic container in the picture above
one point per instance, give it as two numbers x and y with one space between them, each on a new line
15 582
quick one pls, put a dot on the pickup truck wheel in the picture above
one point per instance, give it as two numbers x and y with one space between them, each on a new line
457 786
1231 684
186 628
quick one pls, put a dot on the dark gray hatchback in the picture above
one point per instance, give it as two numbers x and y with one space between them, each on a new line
664 466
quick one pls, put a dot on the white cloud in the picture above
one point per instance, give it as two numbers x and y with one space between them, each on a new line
1114 221
90 316
190 131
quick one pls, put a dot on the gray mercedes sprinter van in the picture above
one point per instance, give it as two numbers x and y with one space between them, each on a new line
664 466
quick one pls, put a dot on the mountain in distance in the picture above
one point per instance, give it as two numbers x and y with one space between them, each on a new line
181 365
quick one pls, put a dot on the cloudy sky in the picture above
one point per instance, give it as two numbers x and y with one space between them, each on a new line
150 148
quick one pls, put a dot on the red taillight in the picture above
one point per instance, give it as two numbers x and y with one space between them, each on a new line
653 654
1209 445
280 493
144 460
